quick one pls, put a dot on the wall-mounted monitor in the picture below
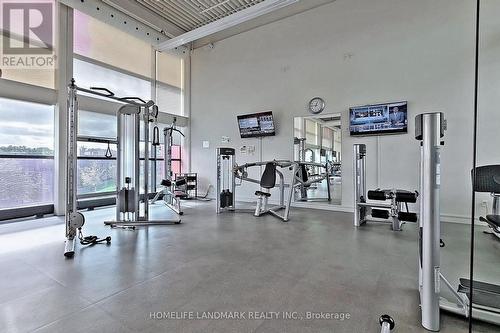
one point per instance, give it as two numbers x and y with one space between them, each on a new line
256 125
389 118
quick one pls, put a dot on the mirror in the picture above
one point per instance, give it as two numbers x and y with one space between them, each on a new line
486 257
318 145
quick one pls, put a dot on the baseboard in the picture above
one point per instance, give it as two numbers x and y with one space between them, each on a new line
447 218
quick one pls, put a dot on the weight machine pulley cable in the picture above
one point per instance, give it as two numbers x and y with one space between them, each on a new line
92 240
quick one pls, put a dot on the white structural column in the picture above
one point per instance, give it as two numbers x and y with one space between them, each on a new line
64 73
186 107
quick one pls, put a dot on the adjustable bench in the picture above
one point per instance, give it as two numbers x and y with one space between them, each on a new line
172 196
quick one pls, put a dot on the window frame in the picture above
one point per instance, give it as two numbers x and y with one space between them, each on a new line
56 97
40 209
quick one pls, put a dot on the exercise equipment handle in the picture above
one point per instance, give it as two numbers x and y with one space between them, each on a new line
108 92
156 136
108 153
178 131
132 99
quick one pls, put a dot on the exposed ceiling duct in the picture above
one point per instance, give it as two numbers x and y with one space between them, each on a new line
171 25
191 14
201 21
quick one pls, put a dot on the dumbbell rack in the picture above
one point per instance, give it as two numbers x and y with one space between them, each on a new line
191 187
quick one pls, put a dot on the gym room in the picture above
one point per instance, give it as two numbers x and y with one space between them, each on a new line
250 166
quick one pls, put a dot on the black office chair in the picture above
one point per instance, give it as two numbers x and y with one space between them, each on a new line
267 181
488 181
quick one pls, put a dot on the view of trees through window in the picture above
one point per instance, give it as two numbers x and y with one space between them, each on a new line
26 154
96 172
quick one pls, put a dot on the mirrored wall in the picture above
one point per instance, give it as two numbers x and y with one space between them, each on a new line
486 264
318 146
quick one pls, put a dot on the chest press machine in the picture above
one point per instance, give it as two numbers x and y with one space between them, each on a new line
390 203
307 179
228 171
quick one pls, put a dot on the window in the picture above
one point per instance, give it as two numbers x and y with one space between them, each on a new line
96 163
96 124
169 99
26 154
176 159
298 127
311 132
100 61
91 75
104 43
169 76
96 172
327 139
37 77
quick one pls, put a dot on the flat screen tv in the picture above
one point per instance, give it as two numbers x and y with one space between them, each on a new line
389 118
256 124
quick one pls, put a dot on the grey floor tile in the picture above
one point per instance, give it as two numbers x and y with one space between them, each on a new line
35 310
230 262
18 279
89 320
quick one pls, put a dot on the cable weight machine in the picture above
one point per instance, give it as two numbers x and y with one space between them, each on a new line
132 195
74 220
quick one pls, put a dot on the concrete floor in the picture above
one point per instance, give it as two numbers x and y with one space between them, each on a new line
231 262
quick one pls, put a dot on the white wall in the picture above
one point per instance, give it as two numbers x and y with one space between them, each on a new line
351 52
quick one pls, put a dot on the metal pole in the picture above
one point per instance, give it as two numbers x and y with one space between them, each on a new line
359 176
167 132
495 210
70 160
119 173
290 193
429 129
146 118
219 176
136 163
70 169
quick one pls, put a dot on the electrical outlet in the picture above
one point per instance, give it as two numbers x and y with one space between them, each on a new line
484 204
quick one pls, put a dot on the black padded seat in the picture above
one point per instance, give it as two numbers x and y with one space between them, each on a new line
303 173
487 179
166 182
494 220
406 196
180 181
265 194
268 179
379 194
